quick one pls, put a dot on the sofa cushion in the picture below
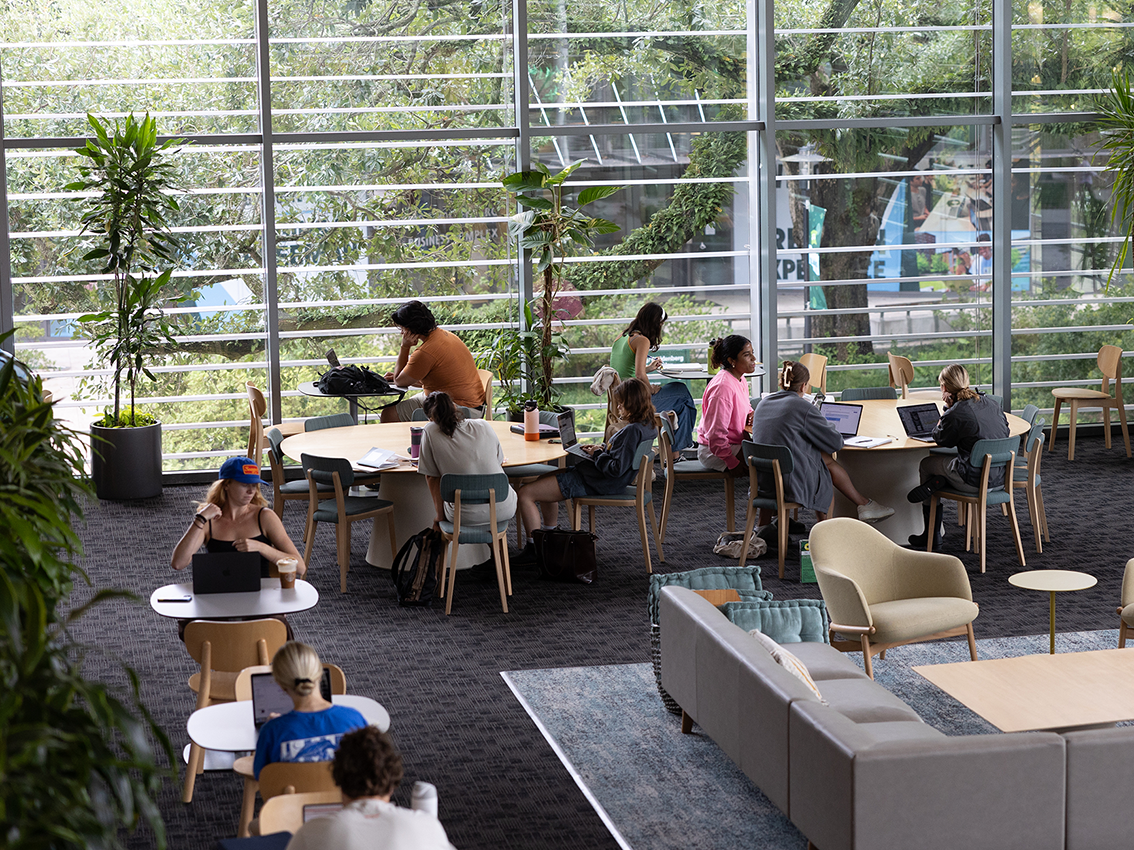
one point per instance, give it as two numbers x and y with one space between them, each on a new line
825 662
906 619
888 731
787 660
864 701
785 621
745 580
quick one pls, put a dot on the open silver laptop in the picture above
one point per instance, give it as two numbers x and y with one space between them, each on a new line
566 422
844 416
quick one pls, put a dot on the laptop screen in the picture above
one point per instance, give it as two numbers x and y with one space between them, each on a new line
566 422
919 419
269 699
844 417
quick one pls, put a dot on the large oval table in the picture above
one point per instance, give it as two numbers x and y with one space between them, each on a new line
887 473
403 485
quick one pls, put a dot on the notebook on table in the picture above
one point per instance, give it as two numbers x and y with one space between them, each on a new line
269 699
226 572
571 445
845 417
919 420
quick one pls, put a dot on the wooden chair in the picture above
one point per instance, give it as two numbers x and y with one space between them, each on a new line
1126 609
283 490
637 497
901 373
461 491
1027 476
817 365
223 649
866 393
282 777
989 455
674 470
257 407
337 472
284 812
1110 364
243 765
486 379
776 461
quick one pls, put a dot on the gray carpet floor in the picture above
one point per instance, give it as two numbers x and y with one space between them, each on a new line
453 717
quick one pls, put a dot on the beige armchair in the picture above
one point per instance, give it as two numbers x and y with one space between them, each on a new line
886 595
1126 611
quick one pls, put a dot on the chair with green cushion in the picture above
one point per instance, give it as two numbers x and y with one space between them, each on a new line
418 415
1029 413
334 420
986 455
866 393
640 497
881 595
1026 475
774 462
461 491
337 472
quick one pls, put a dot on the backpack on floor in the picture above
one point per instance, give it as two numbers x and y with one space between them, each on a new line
417 568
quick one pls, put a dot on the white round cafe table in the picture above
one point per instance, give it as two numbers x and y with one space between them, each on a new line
887 473
229 727
1053 582
268 602
404 485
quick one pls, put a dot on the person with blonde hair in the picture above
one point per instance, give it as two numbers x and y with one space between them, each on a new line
969 416
786 418
312 730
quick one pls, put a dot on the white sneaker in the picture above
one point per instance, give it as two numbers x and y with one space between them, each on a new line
874 512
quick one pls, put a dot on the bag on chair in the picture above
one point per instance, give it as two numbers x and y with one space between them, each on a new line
417 568
566 555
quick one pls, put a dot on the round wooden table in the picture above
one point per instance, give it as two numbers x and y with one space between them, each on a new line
403 485
888 472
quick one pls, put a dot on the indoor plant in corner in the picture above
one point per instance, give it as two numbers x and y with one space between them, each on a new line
551 231
132 179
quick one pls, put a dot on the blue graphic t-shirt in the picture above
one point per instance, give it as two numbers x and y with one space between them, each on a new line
304 735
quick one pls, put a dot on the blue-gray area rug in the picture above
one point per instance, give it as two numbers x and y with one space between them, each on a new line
656 788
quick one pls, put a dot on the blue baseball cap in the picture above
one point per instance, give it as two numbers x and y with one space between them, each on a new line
242 469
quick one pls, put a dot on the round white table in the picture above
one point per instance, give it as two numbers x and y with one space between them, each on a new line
270 601
1053 581
403 485
888 472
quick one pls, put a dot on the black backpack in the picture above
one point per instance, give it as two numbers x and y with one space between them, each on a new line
352 380
416 569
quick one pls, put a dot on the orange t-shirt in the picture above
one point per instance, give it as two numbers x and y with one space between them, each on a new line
443 363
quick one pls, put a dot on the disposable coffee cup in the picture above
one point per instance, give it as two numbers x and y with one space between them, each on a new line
287 568
415 441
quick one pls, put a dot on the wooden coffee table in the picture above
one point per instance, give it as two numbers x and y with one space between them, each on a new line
1035 692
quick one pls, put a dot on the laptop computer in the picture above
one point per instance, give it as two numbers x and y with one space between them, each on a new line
226 572
919 420
268 698
844 416
566 422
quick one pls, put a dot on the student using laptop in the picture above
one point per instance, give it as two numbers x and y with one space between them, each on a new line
607 471
969 416
726 411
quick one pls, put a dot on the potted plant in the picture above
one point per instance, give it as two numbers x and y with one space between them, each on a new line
552 231
515 357
132 179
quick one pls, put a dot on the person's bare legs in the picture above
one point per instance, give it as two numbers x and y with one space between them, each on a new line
842 481
546 492
390 414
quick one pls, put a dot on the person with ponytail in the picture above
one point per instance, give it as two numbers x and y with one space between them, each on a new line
311 732
629 357
969 416
786 418
726 411
453 444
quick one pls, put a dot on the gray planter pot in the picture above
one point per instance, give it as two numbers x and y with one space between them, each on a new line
126 462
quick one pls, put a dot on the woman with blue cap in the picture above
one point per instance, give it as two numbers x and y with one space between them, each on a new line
234 517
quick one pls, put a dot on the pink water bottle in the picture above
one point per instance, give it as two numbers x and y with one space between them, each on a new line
531 421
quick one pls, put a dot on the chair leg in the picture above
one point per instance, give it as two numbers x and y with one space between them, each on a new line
1122 634
452 575
500 542
657 538
867 665
783 538
507 563
931 525
1071 433
591 518
1042 513
342 541
982 527
641 533
1016 534
972 641
247 806
1125 431
749 524
195 766
686 723
1054 425
1106 424
309 537
1033 516
730 503
576 514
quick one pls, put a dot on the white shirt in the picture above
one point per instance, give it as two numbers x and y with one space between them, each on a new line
372 825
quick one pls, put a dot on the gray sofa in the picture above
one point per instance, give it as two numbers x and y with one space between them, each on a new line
864 771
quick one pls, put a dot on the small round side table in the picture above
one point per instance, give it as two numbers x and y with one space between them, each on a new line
1053 581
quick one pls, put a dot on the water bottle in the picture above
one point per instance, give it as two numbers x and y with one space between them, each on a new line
531 421
424 798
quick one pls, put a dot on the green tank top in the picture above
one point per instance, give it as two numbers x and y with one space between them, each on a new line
622 358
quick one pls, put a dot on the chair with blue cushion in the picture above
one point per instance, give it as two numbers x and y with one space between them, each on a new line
337 472
1029 413
866 393
986 455
640 497
461 491
776 462
1026 474
334 420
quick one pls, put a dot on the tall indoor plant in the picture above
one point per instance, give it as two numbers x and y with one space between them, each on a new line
1116 118
552 231
133 180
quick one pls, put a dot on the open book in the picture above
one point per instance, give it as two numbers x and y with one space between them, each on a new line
379 459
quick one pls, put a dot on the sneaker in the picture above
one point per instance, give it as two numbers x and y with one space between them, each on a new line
922 492
874 512
526 557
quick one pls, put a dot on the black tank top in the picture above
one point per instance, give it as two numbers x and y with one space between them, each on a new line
214 545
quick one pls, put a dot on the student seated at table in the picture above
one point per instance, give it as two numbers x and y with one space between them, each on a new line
726 411
452 444
786 418
368 769
440 362
235 517
628 357
969 416
608 470
310 732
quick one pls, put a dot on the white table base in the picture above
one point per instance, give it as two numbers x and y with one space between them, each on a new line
413 512
213 760
886 477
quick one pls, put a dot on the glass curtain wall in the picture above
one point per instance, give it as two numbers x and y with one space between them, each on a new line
343 157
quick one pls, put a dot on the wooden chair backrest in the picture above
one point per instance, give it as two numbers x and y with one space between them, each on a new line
1110 364
901 373
243 686
486 378
817 365
232 645
257 406
284 777
284 812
